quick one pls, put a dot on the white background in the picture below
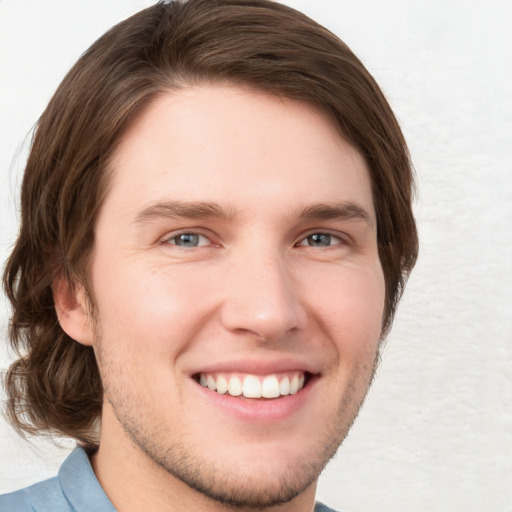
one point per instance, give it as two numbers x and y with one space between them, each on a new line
436 430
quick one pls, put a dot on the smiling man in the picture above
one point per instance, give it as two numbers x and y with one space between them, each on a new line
216 229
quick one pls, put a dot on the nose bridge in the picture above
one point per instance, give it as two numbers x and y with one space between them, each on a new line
260 294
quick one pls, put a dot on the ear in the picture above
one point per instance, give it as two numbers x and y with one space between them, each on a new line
71 308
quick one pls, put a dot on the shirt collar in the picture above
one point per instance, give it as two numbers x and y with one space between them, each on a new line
80 485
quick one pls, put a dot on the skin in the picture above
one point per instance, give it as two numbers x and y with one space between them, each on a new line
257 294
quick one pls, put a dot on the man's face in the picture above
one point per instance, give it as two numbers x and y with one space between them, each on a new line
236 250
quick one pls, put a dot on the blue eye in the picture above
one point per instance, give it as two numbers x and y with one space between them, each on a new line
320 240
188 240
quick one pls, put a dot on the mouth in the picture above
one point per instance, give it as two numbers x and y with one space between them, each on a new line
251 386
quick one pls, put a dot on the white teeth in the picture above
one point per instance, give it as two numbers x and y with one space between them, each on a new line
253 386
284 386
235 386
210 382
270 387
222 385
294 385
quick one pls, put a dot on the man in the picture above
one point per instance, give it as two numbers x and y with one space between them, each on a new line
216 230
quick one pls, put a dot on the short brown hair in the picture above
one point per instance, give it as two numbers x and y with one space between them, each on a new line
55 384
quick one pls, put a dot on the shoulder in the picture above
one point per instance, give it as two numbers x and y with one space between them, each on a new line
319 507
74 489
43 496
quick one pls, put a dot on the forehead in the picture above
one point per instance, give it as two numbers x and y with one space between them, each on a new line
222 143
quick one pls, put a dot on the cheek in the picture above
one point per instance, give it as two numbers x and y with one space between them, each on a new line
149 307
350 305
144 321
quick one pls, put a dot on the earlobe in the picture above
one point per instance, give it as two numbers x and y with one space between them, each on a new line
71 309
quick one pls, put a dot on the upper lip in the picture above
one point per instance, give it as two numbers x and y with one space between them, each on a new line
257 366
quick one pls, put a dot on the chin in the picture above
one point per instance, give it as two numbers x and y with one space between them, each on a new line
246 485
258 476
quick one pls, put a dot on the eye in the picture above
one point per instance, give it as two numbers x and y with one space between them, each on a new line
320 240
188 240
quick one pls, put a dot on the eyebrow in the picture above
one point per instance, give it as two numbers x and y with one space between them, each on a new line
338 211
201 210
180 209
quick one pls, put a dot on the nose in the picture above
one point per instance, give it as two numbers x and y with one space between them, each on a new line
261 297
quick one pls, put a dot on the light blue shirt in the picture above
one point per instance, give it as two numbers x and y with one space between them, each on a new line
74 489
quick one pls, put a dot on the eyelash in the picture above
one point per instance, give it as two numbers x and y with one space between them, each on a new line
301 243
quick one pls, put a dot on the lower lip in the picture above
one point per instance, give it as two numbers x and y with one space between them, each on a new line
260 410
